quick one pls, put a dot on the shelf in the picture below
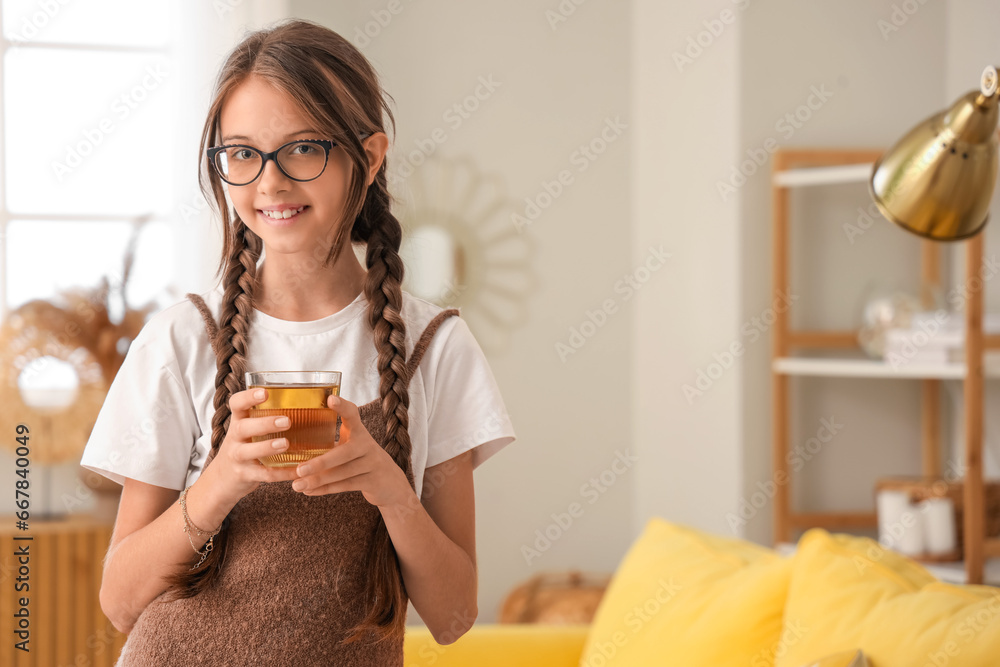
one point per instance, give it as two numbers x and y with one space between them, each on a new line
804 176
952 573
875 368
832 353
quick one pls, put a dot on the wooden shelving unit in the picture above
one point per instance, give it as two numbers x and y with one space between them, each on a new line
813 167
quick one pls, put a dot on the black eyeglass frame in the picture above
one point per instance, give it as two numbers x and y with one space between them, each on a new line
326 144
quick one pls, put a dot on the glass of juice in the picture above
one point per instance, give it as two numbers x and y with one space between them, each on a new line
302 397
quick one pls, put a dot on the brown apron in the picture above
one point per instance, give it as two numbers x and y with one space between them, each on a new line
291 582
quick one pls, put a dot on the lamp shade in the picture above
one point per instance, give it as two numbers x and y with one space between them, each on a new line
937 181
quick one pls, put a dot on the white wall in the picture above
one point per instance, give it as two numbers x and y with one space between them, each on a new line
558 87
687 121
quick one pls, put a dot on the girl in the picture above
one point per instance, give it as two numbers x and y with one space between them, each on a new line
215 558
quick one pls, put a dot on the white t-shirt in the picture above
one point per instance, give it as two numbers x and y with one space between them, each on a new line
155 425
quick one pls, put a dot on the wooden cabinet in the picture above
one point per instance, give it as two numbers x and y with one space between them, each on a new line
66 625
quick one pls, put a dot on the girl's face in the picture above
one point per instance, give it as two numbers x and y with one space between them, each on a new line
257 114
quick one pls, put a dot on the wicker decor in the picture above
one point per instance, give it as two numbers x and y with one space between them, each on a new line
74 328
554 599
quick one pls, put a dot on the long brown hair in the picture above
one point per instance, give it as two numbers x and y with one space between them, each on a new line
339 92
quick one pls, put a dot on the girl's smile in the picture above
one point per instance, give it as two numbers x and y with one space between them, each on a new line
282 216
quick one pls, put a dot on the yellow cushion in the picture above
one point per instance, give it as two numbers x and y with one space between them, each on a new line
498 645
849 592
690 598
842 659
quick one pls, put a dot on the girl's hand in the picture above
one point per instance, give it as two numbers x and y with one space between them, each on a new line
236 463
355 463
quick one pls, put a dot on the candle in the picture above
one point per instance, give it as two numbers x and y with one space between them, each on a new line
899 525
939 525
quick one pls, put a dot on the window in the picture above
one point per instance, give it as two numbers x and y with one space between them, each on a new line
87 147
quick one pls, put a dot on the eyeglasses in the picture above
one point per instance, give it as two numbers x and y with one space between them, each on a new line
300 160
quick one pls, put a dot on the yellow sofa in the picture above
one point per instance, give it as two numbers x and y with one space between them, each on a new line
682 596
496 645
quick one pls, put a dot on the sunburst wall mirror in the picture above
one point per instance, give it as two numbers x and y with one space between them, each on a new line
460 248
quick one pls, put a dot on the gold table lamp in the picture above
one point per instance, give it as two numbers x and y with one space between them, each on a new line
937 181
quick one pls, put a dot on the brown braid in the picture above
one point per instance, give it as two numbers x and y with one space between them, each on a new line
231 346
385 300
340 93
